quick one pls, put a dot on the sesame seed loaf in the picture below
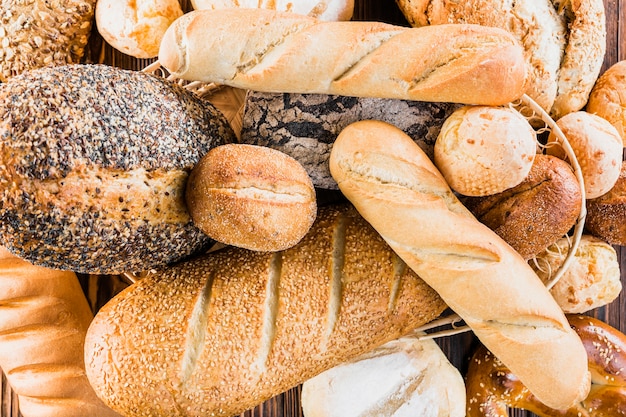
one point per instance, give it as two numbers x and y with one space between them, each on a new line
93 165
222 332
37 33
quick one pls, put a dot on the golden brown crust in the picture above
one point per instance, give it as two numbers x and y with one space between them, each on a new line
226 331
251 196
535 213
608 97
331 10
606 215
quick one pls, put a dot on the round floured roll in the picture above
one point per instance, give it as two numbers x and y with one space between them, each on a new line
405 377
484 150
136 27
592 279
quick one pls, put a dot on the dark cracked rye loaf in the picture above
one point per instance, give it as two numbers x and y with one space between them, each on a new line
93 165
305 126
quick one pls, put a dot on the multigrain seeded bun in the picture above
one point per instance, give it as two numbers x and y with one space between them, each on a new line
606 215
597 146
537 212
93 166
136 27
252 197
592 278
483 150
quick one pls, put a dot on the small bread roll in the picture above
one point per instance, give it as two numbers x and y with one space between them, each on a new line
405 377
136 27
537 212
597 146
606 215
608 97
483 150
252 197
592 279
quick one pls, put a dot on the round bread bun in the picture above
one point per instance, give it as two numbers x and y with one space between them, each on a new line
565 42
483 150
405 377
591 280
537 212
606 215
136 27
597 146
608 97
251 197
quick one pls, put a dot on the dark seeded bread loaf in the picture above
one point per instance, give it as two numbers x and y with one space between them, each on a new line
93 166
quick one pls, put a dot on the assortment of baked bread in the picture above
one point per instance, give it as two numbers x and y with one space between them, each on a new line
251 282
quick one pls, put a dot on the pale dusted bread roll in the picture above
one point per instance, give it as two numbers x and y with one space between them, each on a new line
592 279
404 377
483 150
597 146
330 10
564 41
251 196
608 97
136 27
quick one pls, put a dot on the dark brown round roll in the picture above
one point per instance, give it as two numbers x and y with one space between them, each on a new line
606 215
537 212
93 165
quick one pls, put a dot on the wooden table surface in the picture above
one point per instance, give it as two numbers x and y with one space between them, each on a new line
458 348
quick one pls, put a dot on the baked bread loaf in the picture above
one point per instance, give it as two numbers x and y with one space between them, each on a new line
44 317
484 150
136 27
607 97
606 215
331 10
536 213
592 278
94 161
404 377
398 190
564 41
252 197
492 388
305 126
223 332
41 33
299 54
597 146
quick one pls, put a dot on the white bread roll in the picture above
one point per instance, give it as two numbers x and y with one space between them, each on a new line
224 332
136 27
44 317
484 150
404 377
330 10
398 190
270 51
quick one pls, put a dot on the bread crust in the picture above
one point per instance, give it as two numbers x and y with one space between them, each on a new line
330 10
93 180
398 190
606 215
225 331
297 54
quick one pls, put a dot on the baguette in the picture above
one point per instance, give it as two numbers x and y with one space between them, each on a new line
270 51
396 188
44 316
222 333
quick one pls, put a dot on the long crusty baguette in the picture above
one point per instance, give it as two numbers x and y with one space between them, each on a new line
44 317
221 333
396 188
266 50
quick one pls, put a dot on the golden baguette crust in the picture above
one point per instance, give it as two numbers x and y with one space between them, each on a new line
270 51
396 188
44 316
224 332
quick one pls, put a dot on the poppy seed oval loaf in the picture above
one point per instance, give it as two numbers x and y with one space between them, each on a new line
93 166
